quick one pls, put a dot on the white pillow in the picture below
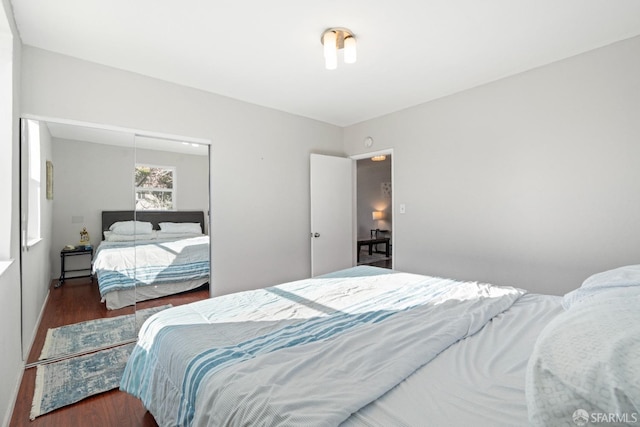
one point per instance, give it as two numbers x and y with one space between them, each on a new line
605 281
110 236
181 227
587 358
131 227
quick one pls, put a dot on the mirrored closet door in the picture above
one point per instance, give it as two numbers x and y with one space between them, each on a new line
93 192
171 186
83 171
114 227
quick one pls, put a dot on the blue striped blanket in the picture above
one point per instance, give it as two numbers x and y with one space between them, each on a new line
309 352
123 265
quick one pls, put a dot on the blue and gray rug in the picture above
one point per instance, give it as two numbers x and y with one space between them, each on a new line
92 335
75 378
71 380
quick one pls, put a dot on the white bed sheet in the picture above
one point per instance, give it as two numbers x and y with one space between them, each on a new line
478 381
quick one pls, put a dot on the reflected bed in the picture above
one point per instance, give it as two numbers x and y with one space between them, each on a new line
146 264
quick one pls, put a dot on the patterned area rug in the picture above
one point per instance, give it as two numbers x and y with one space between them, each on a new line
61 383
92 335
69 381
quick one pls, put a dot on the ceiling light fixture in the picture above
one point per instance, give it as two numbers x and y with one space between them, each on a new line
378 158
335 39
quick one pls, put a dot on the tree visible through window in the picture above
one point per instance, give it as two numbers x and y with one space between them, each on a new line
155 187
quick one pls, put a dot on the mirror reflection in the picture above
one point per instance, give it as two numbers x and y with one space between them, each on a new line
125 231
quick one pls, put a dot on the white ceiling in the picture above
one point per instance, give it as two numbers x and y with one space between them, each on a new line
269 52
120 138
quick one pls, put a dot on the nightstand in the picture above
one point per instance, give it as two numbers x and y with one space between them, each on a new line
80 250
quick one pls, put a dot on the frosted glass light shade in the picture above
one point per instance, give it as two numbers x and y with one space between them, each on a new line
350 50
329 39
331 62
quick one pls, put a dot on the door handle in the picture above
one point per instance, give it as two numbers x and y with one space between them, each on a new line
316 234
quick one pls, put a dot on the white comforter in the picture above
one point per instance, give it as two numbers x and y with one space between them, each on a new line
125 265
304 353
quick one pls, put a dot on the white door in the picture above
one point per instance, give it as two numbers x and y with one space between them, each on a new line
331 213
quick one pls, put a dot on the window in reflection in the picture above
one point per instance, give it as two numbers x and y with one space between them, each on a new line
154 187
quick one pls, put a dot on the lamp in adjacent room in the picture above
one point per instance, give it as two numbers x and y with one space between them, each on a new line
377 215
335 39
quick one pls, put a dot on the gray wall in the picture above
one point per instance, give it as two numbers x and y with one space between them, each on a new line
260 157
530 181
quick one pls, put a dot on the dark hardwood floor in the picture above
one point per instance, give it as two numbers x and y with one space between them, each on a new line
377 258
385 263
78 300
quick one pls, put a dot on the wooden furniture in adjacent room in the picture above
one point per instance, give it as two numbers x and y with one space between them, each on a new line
374 241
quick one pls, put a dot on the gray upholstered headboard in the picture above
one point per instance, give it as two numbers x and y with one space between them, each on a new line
154 217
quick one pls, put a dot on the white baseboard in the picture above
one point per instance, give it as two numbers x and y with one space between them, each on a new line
25 356
34 333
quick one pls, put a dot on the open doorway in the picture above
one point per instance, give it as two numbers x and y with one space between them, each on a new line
374 207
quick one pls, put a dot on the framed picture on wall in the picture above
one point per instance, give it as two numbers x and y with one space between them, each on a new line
49 180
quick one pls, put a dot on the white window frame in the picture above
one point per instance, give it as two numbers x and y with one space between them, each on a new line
173 191
34 184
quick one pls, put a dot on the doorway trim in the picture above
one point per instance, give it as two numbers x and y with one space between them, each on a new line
367 155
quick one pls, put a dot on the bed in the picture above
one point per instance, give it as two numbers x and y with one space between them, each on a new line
359 347
150 254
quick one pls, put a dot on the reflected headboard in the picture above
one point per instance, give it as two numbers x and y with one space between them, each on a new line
154 217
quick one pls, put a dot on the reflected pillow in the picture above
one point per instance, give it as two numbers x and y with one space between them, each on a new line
598 284
181 227
166 235
131 227
110 236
